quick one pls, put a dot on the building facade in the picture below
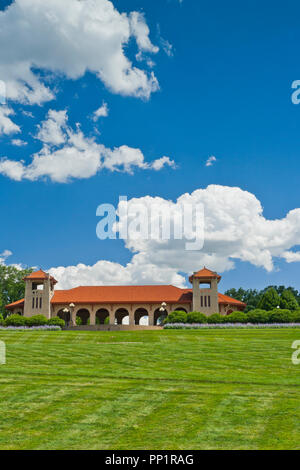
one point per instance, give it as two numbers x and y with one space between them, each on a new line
117 305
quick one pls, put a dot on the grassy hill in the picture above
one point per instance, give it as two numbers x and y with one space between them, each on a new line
211 389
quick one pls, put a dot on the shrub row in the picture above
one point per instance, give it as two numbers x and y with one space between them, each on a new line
36 320
254 316
228 326
31 328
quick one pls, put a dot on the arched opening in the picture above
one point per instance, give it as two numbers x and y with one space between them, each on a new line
159 316
121 315
102 316
64 316
141 317
82 317
180 309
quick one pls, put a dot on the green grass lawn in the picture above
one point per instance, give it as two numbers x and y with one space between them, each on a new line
157 390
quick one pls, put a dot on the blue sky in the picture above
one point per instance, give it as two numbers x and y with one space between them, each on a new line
224 90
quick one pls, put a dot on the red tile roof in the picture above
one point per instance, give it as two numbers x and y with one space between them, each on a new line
19 303
39 276
205 274
126 294
123 294
225 299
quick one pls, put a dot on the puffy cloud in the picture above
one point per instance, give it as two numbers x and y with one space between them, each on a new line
108 273
126 158
161 162
7 126
4 256
68 154
210 161
140 31
234 226
101 112
235 229
12 169
18 143
291 256
70 38
51 131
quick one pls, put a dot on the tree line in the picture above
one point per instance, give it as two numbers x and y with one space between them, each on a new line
286 298
12 286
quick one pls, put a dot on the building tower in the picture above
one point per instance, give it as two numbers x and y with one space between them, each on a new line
39 290
205 291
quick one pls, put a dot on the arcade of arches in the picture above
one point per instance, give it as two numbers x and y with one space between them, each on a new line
144 315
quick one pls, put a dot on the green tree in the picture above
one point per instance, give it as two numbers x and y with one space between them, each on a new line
281 289
288 301
251 297
270 300
12 286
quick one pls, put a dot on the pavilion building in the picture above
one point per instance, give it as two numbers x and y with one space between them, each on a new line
120 304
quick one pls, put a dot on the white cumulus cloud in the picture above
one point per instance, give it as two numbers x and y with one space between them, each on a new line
7 126
51 131
108 273
101 112
4 255
235 229
18 142
69 38
67 154
210 161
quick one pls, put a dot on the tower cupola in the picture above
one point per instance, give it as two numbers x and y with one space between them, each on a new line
205 291
39 290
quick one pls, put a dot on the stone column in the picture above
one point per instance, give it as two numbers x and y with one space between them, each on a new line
73 317
92 318
151 317
131 311
112 317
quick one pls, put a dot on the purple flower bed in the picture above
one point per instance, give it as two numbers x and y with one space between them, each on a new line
224 326
31 328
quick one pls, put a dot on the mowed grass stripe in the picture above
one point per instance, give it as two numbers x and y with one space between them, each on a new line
179 417
99 416
170 390
58 417
282 424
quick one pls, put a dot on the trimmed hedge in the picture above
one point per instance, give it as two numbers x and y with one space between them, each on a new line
56 321
36 320
236 317
295 316
258 316
230 326
176 317
196 317
281 316
255 317
215 318
15 320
